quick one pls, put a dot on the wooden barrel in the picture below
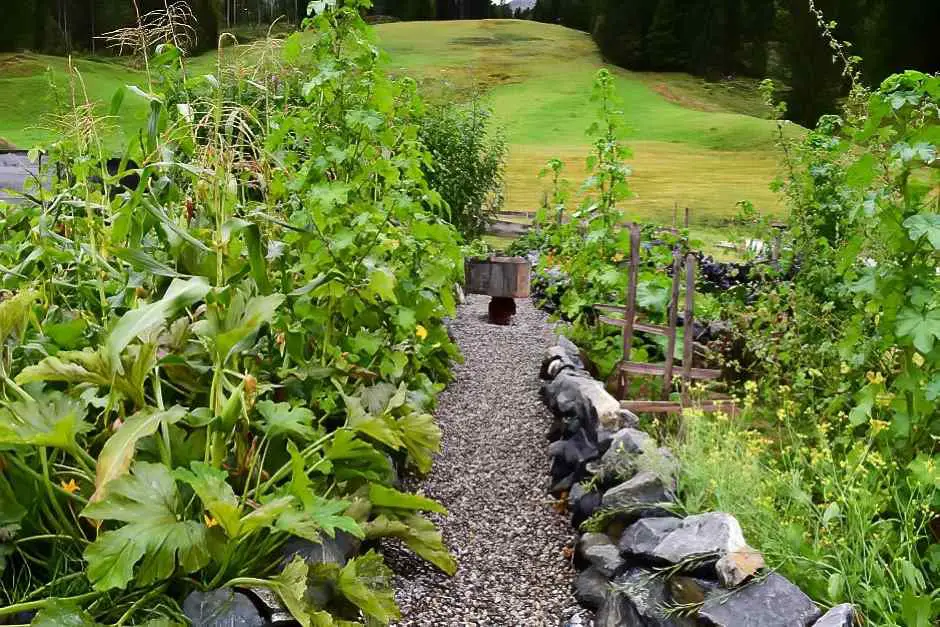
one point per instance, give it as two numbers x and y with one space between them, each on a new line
501 277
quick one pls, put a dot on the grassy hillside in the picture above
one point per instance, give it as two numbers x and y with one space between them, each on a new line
695 144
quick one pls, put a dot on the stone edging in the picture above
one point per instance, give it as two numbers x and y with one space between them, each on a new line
640 557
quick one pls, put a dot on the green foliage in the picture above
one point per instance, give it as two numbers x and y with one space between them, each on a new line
845 357
233 352
467 164
590 248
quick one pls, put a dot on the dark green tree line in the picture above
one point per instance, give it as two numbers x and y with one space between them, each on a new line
779 38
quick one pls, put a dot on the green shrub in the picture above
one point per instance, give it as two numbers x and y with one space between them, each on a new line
466 168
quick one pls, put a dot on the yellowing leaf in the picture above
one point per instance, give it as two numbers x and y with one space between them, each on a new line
118 452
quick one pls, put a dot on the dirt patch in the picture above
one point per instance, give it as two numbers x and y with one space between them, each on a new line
683 100
20 66
5 145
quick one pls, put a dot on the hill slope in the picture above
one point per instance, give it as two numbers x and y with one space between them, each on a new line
695 144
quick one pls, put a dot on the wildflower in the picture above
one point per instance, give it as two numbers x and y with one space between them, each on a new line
844 368
210 521
421 332
918 359
750 386
875 378
877 426
71 487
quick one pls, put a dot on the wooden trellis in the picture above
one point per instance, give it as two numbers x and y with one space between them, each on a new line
630 325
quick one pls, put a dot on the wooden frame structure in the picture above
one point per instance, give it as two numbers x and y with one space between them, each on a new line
630 325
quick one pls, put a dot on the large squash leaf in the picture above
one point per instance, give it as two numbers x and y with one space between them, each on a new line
155 536
118 452
381 428
391 498
54 420
280 419
14 312
422 438
419 534
211 486
237 324
354 458
367 583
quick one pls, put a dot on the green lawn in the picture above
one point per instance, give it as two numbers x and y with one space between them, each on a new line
695 144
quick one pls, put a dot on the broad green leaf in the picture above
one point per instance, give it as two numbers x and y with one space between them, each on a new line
86 366
356 458
380 428
54 420
280 419
422 438
265 515
382 284
925 225
291 586
419 534
367 583
239 324
61 613
922 328
318 516
391 498
67 335
916 610
211 486
156 536
118 452
180 294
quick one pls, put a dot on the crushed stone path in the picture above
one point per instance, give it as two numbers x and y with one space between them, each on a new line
491 475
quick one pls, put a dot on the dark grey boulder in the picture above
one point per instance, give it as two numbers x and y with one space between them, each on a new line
272 608
643 536
573 393
584 508
638 598
222 608
839 616
336 550
645 488
562 485
590 588
769 602
571 351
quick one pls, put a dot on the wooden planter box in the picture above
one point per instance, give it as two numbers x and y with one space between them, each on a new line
500 277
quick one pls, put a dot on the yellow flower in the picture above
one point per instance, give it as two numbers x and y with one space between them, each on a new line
878 425
918 359
421 332
844 368
875 378
210 521
71 487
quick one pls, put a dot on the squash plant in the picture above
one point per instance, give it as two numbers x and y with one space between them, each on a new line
236 351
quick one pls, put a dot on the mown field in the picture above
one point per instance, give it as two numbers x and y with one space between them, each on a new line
695 144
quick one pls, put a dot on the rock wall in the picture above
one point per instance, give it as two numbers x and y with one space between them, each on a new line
642 563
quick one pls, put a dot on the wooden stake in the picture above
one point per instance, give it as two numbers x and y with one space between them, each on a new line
673 321
687 325
630 314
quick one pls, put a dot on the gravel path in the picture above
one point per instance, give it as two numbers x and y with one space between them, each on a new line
491 476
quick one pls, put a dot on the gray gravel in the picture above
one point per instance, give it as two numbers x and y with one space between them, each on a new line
491 475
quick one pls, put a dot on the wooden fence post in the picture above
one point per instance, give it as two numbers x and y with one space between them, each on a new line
687 326
673 321
630 314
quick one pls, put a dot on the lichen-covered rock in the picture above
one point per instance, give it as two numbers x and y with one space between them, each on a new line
645 488
700 536
736 567
769 602
643 536
222 608
576 393
588 541
839 616
605 558
590 588
555 361
571 351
